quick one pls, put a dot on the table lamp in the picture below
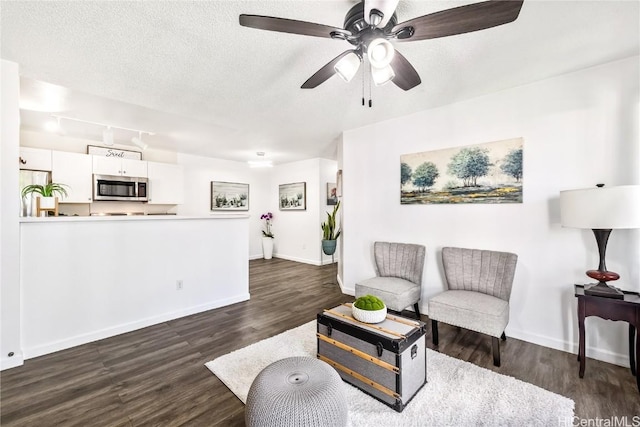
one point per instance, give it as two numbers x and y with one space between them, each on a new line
601 209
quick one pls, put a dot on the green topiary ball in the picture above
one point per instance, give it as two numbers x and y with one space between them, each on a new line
369 303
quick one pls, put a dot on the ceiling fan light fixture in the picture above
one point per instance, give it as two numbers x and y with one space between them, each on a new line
375 17
380 53
348 66
381 76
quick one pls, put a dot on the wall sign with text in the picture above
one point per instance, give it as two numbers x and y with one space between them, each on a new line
113 152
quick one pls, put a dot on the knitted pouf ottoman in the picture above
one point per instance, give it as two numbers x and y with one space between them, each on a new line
297 391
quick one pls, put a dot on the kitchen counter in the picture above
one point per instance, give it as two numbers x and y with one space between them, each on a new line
98 218
88 278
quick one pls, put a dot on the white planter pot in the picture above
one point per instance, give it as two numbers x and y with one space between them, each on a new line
267 247
47 202
369 316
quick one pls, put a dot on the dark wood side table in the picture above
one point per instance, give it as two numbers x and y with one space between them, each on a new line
627 310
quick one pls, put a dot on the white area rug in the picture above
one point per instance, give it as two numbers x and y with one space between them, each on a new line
457 393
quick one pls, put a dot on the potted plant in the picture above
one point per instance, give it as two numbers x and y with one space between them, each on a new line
369 309
329 232
267 236
49 193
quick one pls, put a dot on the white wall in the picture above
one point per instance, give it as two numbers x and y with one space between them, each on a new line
579 129
200 171
297 233
9 210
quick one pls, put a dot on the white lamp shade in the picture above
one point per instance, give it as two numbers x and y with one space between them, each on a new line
601 208
380 53
348 66
381 76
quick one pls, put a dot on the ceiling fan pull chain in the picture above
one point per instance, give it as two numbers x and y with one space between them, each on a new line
370 101
363 67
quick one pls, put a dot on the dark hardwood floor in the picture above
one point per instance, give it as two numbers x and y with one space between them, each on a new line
156 376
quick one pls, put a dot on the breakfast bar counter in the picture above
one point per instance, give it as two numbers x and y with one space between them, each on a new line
88 278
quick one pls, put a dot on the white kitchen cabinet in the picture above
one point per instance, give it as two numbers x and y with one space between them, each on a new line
74 170
119 167
37 159
166 183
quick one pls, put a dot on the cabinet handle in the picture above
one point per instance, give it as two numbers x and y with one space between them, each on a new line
23 161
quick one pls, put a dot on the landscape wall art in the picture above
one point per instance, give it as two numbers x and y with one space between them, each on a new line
483 173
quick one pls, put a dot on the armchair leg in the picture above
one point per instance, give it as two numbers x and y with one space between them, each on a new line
434 331
496 351
417 309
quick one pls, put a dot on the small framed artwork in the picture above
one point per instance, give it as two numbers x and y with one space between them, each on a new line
293 197
332 194
229 196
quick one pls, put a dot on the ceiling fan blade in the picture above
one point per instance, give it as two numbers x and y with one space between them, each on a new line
406 76
463 19
387 7
323 74
292 26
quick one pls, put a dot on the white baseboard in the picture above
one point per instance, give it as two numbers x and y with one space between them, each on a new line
570 347
11 362
302 260
127 327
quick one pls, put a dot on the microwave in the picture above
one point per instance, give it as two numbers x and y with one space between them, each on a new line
120 188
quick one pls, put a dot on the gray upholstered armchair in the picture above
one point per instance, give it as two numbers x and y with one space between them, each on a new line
398 280
479 287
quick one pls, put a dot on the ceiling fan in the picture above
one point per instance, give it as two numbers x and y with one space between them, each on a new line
371 24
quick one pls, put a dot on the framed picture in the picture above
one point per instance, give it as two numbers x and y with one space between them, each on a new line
491 172
293 197
332 193
229 196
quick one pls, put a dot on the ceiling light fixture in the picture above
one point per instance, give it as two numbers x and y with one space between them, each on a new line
107 133
107 136
260 163
53 125
381 76
348 66
139 142
380 53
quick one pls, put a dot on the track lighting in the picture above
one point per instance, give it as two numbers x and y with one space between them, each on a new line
107 136
139 142
107 133
53 126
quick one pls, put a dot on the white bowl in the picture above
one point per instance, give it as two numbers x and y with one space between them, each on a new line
369 316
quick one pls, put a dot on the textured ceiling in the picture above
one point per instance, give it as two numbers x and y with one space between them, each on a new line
205 85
